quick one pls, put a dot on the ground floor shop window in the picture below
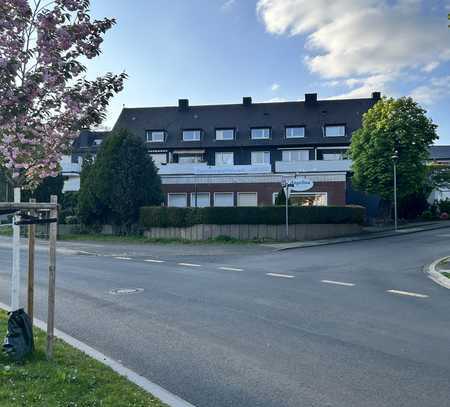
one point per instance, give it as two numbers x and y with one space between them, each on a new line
201 201
177 200
223 199
309 199
247 199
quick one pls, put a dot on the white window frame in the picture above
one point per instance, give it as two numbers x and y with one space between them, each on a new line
221 132
247 193
159 163
150 133
200 193
264 153
290 154
223 193
221 161
335 126
192 132
294 128
178 194
265 136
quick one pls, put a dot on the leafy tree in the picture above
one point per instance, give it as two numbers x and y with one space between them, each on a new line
45 97
392 127
50 186
122 179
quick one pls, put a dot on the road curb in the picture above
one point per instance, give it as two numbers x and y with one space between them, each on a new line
435 275
368 236
162 394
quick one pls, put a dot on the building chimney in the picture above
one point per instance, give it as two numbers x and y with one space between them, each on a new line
247 101
183 104
310 98
376 95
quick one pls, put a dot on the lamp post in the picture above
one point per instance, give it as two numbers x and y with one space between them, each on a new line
394 160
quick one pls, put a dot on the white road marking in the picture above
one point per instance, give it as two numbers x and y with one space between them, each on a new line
154 261
189 265
230 269
338 283
407 293
279 275
122 258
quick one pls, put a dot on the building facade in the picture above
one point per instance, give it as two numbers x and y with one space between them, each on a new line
239 154
440 155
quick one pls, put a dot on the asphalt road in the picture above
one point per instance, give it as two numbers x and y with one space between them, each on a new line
322 329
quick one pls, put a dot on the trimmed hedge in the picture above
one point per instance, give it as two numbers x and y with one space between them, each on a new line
164 217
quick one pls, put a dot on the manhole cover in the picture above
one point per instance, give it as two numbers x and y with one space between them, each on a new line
124 291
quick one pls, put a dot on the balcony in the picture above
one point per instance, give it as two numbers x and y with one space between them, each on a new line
313 166
68 167
204 169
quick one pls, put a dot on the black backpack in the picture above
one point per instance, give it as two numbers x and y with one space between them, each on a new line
19 340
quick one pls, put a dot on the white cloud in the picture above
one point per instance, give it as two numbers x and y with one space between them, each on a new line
226 5
365 42
275 100
435 90
275 87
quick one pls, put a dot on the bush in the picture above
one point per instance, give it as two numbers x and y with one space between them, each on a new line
427 215
444 206
270 215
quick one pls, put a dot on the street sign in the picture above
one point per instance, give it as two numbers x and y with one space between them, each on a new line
300 184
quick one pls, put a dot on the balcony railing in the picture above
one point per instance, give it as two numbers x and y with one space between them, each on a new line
313 166
204 169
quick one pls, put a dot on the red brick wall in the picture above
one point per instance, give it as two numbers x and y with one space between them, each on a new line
335 190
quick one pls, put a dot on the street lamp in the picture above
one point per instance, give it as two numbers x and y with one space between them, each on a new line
394 160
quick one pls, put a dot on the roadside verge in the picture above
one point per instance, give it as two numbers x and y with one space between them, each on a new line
153 389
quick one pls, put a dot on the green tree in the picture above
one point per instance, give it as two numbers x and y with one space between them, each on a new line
122 179
50 186
392 127
280 199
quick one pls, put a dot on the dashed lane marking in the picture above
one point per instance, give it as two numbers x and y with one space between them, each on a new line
154 261
230 269
279 275
189 265
338 283
122 258
407 293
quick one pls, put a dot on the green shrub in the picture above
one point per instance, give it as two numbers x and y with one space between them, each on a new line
268 215
444 205
427 215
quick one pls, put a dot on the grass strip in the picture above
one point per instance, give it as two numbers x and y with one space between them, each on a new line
71 379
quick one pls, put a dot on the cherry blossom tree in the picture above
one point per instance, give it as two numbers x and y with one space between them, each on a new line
45 97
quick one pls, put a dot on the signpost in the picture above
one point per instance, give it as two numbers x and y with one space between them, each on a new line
298 184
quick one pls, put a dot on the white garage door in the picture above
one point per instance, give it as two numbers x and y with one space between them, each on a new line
177 200
247 199
224 199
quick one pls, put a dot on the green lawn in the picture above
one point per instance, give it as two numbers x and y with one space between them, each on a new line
446 274
72 379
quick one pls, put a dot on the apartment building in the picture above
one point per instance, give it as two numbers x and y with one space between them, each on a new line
239 154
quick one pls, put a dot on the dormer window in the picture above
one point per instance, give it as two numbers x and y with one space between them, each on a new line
295 132
260 133
156 136
335 131
225 134
192 135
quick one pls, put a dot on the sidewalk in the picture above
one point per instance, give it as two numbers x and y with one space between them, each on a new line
369 233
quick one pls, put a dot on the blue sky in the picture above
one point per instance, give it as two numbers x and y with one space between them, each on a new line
216 51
